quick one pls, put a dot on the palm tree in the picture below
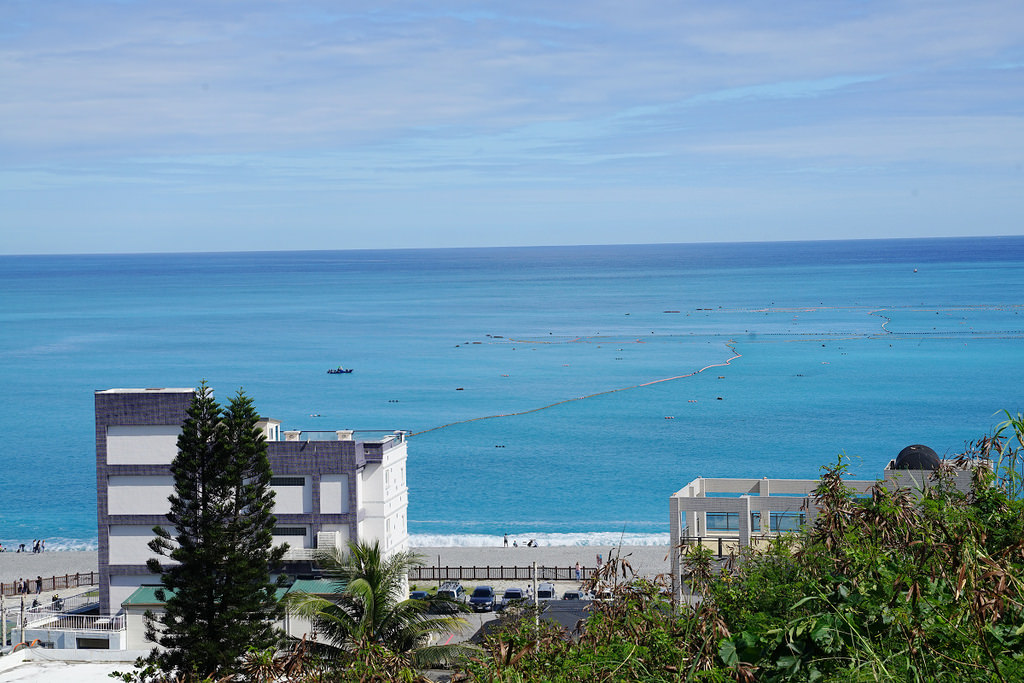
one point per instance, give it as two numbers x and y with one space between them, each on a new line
369 608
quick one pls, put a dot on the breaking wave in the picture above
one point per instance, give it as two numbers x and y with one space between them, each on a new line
53 544
594 538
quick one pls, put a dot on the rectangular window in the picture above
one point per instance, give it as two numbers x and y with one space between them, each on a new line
787 521
723 521
287 481
93 643
289 531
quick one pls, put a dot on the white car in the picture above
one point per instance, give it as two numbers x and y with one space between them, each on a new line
546 591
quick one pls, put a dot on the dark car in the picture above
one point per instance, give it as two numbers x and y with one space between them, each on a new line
511 597
482 599
419 595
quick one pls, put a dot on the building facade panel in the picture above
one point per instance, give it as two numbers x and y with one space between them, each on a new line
334 494
142 444
144 494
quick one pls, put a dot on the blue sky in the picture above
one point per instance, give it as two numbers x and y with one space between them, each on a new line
210 126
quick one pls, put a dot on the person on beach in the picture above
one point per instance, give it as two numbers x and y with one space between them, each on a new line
39 585
579 573
506 540
599 560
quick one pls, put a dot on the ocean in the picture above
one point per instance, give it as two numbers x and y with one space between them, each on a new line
556 393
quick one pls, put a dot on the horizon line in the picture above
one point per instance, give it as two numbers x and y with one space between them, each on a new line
512 246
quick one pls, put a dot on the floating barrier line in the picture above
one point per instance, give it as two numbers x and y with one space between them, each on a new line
730 345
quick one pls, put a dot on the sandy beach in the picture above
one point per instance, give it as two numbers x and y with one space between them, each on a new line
14 566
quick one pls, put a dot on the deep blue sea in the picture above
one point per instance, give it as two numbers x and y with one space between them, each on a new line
860 347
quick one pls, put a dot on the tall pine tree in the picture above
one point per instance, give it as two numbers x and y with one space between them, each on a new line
218 597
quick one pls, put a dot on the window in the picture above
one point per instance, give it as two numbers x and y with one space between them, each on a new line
289 531
788 521
287 481
92 644
723 521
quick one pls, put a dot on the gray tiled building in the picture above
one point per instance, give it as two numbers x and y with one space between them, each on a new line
331 487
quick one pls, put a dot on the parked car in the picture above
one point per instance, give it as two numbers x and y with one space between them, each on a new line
546 591
450 597
419 595
482 599
511 596
575 595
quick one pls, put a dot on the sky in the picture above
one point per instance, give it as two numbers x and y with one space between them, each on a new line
212 125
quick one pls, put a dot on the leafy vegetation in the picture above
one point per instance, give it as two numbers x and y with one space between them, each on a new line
368 615
891 587
894 586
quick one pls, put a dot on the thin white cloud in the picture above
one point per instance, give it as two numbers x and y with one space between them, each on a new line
206 97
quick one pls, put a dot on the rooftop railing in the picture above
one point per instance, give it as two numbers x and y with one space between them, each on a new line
72 603
368 437
77 622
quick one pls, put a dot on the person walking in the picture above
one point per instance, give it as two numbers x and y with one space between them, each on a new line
39 585
506 540
579 573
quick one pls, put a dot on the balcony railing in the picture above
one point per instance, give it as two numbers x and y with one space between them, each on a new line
73 603
299 554
76 622
368 436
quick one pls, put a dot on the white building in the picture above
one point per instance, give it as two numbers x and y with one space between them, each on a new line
331 487
727 513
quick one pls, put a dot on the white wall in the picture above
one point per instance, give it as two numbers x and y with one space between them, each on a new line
385 499
293 499
334 494
121 588
135 629
142 445
143 495
128 545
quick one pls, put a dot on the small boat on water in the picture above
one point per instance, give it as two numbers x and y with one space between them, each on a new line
339 371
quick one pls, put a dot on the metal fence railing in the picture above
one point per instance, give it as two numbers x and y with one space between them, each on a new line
51 583
438 574
76 622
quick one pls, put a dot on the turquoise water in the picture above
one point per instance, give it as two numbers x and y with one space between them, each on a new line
842 347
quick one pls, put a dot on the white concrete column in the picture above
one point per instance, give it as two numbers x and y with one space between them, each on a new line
674 533
744 522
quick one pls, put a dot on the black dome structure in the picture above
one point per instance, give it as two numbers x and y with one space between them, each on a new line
917 457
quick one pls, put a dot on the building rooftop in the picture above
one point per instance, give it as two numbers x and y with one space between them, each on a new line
150 390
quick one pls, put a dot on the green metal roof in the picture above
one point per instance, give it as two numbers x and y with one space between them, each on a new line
315 586
145 596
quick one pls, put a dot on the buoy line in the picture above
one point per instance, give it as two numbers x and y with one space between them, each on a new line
730 346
